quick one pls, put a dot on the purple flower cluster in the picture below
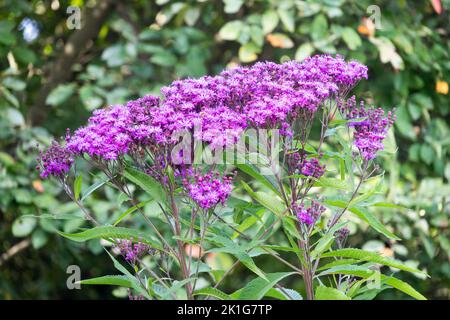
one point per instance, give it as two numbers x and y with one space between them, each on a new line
312 168
56 161
308 167
209 189
114 130
265 95
308 215
342 234
132 252
371 130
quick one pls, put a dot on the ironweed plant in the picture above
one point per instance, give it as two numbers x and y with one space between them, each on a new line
158 152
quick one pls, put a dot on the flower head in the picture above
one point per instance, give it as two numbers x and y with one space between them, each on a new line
308 215
132 252
309 167
371 130
209 189
55 161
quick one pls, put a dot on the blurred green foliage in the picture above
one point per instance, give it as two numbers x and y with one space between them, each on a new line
140 46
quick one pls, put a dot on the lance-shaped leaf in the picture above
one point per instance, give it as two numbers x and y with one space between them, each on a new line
257 288
108 232
370 257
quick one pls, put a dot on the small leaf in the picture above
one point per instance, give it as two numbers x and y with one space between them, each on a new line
268 201
326 293
249 52
247 261
331 183
130 211
231 30
113 280
60 94
232 6
366 216
351 38
146 183
134 282
257 288
287 18
92 188
23 226
212 292
253 171
269 21
77 186
304 51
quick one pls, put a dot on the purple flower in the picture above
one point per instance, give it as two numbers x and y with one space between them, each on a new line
304 216
265 95
308 167
308 215
311 168
132 252
341 235
371 130
207 190
114 130
55 161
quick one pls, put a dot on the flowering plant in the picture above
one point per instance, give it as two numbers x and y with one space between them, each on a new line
181 151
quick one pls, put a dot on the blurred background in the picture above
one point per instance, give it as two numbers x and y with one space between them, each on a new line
59 60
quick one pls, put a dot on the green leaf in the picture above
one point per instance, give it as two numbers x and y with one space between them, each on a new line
134 282
331 183
366 216
77 186
113 280
14 83
247 223
213 292
402 286
92 188
337 263
146 183
269 21
364 272
270 202
39 238
247 261
107 232
323 244
176 286
351 38
326 293
249 52
231 30
285 294
304 51
354 270
388 205
287 18
257 288
371 257
130 211
232 6
60 94
253 172
319 28
23 226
